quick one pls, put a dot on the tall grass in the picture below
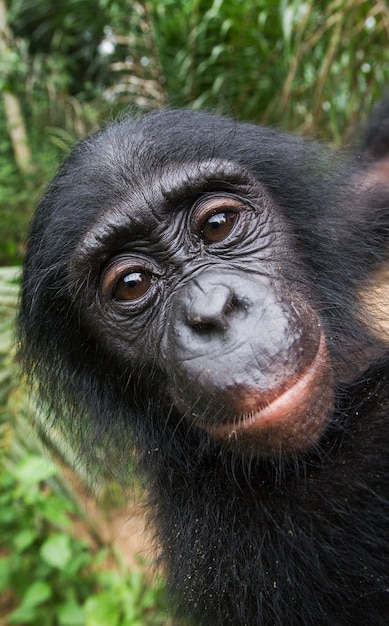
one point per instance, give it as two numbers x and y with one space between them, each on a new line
315 67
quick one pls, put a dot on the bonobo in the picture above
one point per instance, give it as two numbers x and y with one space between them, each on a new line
192 297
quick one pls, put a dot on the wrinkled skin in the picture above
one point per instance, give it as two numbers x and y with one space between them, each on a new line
202 287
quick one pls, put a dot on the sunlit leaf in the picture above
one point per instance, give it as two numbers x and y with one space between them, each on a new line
56 551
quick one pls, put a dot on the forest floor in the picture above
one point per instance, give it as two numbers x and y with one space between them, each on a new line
124 528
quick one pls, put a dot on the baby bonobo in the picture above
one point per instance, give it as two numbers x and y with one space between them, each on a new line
191 298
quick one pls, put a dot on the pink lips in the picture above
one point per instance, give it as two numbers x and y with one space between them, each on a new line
290 422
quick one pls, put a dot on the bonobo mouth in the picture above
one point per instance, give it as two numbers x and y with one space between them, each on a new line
290 421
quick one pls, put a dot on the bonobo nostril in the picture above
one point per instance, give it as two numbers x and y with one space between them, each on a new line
209 306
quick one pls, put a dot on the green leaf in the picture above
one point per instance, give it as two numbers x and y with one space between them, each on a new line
56 510
71 614
22 615
56 551
33 469
24 539
36 594
5 569
101 610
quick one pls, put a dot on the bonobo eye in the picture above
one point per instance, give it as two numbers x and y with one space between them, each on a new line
132 286
218 226
216 216
126 280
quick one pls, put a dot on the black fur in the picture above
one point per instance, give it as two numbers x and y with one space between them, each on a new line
295 541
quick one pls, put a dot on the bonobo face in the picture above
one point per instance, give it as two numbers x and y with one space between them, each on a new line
196 279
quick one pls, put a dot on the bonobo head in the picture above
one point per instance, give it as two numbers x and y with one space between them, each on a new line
188 273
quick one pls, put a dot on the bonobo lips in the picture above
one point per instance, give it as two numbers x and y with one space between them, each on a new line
290 420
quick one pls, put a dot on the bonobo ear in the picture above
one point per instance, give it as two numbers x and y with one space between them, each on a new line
372 200
375 139
375 146
374 178
377 175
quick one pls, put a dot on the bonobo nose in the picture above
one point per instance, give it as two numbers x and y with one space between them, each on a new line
207 305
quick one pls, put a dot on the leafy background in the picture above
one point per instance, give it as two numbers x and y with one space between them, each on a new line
66 67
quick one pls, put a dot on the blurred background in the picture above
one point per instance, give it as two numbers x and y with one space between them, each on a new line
75 552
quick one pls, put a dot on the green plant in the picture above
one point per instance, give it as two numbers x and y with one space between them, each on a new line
42 568
49 576
52 577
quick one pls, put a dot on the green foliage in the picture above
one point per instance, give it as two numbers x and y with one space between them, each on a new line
302 65
9 290
48 575
18 196
53 577
14 218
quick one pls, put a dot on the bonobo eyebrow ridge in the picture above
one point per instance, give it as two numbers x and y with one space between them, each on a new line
178 184
176 187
